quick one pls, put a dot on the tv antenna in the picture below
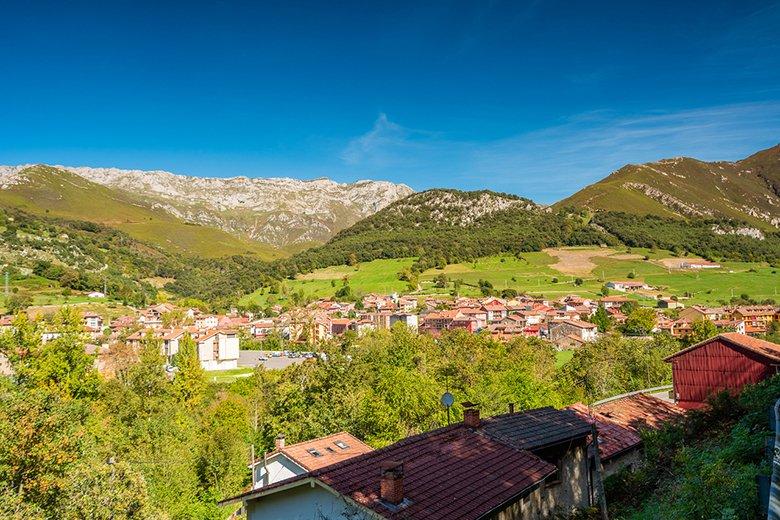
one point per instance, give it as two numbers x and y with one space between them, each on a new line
447 400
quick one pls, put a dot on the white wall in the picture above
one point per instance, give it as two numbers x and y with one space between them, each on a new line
303 503
279 468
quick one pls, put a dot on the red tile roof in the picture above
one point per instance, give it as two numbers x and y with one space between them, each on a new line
759 346
456 472
639 411
619 421
536 429
453 473
613 438
329 451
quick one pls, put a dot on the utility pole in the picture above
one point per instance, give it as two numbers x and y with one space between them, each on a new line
6 283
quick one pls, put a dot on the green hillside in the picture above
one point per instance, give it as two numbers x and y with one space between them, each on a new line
746 190
540 273
58 193
446 226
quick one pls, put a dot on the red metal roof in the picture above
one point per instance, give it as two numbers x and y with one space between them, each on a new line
759 346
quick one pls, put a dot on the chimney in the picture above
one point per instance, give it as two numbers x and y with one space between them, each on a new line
471 417
511 408
391 487
279 441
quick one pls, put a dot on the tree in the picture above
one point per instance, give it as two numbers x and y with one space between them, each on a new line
440 281
42 434
189 384
701 330
102 490
60 364
17 303
578 281
147 378
602 319
640 322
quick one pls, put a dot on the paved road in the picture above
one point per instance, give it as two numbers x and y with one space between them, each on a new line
251 358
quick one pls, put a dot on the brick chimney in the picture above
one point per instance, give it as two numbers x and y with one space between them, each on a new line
279 441
471 417
391 487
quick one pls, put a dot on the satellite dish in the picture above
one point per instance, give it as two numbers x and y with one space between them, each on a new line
447 399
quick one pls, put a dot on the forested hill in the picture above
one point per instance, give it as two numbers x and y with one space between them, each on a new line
445 226
746 190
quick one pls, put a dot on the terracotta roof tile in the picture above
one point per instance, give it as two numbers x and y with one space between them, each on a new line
449 474
329 451
536 429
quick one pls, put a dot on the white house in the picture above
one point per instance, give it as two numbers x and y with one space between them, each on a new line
626 286
288 461
208 321
218 350
96 294
93 321
410 320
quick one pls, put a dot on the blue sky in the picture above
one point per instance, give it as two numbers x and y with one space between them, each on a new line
534 98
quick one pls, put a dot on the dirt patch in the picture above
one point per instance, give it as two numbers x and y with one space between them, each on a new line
579 261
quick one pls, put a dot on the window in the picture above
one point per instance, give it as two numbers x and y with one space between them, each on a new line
314 452
556 477
329 449
341 444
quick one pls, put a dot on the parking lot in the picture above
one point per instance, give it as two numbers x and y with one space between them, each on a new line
251 358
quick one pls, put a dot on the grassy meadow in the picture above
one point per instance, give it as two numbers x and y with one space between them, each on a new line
551 273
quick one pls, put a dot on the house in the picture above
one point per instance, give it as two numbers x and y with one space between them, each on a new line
339 326
410 320
6 322
583 330
495 310
288 461
675 328
206 321
620 421
518 465
727 361
757 318
700 312
218 349
699 264
627 286
262 328
364 326
669 303
93 322
168 338
616 302
96 294
407 304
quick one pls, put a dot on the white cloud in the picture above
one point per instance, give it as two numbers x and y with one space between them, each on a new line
551 163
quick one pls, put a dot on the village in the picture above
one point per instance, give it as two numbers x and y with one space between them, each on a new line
567 322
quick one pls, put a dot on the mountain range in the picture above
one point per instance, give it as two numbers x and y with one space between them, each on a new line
746 190
202 216
276 217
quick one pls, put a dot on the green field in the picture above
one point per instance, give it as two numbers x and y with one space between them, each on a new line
533 273
228 376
